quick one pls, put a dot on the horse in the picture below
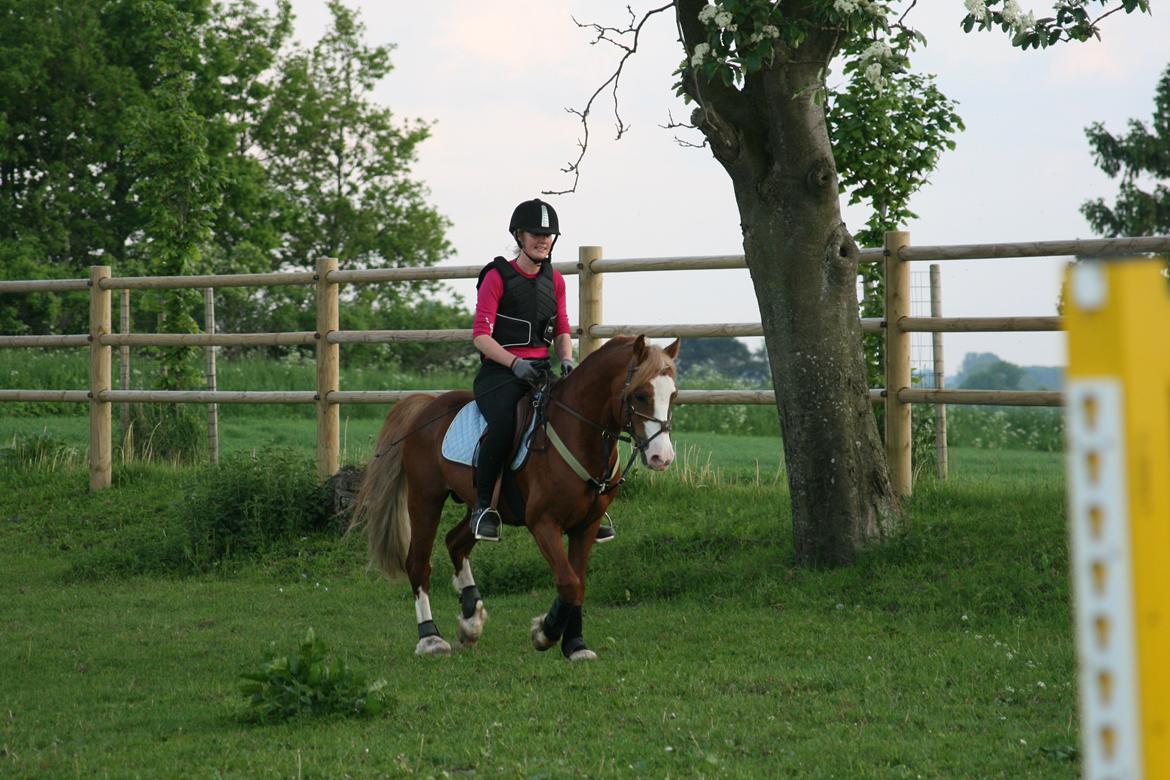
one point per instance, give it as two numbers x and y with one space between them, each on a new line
623 391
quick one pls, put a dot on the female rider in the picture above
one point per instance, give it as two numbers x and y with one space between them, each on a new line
519 311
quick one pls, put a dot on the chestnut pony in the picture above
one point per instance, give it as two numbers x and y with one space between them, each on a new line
624 391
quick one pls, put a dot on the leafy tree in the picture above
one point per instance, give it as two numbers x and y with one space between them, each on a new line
998 375
886 140
728 357
756 72
1141 154
342 166
166 136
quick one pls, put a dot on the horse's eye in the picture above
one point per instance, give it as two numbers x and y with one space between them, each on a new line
641 398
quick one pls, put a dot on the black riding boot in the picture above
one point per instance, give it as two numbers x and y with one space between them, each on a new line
605 532
485 523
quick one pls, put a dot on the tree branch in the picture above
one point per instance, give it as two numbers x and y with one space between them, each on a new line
671 125
614 36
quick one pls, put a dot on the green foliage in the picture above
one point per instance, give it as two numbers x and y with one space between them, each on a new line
39 450
1142 154
308 681
251 503
342 166
999 375
194 137
886 142
724 357
1012 428
175 433
1072 21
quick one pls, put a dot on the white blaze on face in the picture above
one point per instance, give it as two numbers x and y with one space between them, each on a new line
660 453
422 606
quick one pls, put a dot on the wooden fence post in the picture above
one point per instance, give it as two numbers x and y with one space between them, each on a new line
328 371
124 359
898 429
212 408
939 370
100 375
589 298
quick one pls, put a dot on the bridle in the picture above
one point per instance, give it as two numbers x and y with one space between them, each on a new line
627 433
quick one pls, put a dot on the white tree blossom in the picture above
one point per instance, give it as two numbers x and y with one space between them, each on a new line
700 54
977 8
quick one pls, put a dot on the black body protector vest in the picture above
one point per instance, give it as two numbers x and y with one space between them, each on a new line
527 315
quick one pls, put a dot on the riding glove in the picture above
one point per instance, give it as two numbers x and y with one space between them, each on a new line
524 370
567 366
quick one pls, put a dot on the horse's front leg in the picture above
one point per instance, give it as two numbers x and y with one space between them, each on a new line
581 541
472 615
563 619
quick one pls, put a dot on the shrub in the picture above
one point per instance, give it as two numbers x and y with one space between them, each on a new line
252 502
309 682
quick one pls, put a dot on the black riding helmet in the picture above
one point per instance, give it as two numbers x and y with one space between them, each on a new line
535 217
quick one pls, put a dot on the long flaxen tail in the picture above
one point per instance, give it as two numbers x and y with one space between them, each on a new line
381 500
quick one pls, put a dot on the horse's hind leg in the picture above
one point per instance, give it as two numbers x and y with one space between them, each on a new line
424 518
472 615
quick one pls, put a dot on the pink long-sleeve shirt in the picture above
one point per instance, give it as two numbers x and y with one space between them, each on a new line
487 303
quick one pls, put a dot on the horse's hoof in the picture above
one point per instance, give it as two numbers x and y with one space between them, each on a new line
469 630
584 654
432 645
539 640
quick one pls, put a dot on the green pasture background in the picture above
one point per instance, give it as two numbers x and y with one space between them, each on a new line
948 653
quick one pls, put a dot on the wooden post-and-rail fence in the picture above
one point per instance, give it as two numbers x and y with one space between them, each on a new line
897 324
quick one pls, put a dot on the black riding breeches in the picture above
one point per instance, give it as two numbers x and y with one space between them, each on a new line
497 391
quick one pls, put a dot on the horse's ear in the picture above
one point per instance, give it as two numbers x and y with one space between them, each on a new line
639 348
672 350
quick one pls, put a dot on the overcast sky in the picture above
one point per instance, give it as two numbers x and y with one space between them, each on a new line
495 79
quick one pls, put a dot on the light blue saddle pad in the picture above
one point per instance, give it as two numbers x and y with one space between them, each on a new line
461 444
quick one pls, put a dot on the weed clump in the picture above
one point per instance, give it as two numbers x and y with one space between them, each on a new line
308 681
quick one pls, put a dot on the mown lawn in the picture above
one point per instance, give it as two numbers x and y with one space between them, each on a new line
946 654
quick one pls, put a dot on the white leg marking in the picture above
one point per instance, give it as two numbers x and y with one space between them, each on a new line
660 453
463 578
428 645
422 606
468 630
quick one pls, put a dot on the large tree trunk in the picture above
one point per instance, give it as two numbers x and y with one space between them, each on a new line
771 138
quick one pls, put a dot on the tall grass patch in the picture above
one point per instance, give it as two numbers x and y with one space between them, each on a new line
1017 428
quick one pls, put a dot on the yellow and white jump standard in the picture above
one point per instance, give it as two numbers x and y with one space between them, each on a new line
1118 462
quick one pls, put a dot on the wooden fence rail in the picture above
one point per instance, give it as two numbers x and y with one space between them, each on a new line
591 266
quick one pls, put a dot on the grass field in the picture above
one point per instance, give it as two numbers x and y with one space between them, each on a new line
946 654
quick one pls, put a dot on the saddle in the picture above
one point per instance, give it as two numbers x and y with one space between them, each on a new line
465 434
